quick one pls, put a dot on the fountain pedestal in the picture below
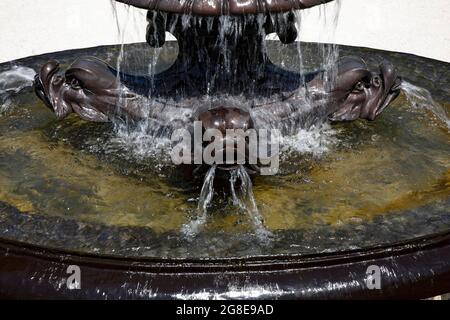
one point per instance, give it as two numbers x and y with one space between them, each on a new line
225 54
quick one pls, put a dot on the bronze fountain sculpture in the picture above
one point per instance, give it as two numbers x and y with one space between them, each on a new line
218 59
222 55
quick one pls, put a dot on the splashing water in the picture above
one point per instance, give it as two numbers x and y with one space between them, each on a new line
143 138
245 200
316 140
192 228
140 145
421 98
13 81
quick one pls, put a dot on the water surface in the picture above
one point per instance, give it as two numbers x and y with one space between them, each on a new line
84 186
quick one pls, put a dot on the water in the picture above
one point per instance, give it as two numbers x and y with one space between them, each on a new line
324 22
242 198
13 81
149 132
342 186
420 98
230 28
143 139
206 195
316 140
245 200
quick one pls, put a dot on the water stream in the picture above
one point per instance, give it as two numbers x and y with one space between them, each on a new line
245 200
206 195
420 98
230 28
326 18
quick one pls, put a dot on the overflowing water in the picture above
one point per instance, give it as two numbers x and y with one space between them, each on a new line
341 186
230 28
420 98
305 136
145 139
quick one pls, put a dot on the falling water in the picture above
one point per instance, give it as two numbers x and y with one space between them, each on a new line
326 17
245 200
156 52
137 136
330 52
192 228
230 29
120 34
421 98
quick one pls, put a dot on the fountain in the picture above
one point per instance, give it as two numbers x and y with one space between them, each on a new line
335 194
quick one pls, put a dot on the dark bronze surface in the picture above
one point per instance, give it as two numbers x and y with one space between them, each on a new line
223 7
223 118
213 60
410 270
89 87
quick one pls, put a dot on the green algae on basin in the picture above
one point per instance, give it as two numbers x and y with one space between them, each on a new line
77 186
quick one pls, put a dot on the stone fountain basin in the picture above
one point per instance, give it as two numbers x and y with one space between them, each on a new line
413 269
410 240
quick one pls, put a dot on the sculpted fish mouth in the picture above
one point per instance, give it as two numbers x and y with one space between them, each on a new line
47 72
392 94
397 85
362 94
42 81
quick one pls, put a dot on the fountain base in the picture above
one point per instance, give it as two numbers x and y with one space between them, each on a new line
420 264
66 219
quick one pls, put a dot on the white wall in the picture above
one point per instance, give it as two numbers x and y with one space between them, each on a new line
30 27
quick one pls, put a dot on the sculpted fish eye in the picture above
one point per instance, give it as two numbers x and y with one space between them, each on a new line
75 84
376 81
359 87
57 80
